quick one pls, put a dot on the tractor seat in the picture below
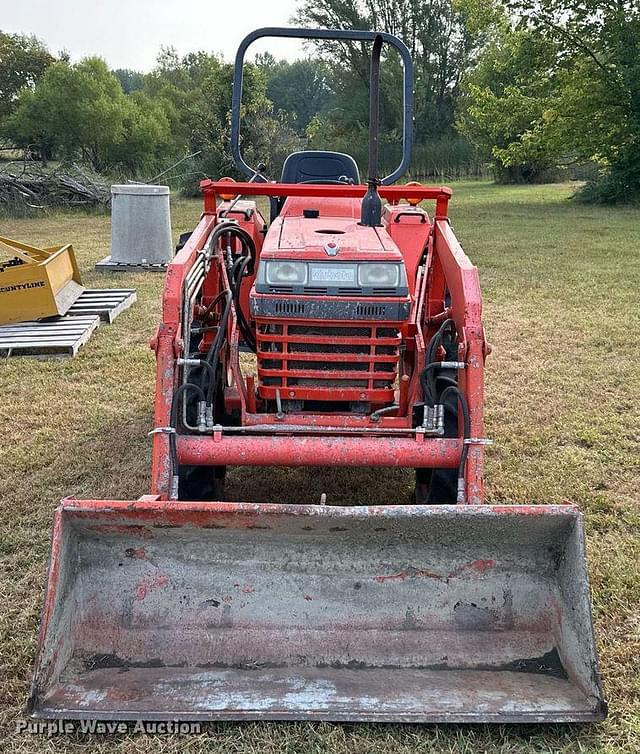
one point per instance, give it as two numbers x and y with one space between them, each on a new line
319 166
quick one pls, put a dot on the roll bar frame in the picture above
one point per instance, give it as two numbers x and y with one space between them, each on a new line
329 34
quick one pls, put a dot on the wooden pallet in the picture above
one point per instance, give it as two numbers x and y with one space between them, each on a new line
106 303
108 265
59 336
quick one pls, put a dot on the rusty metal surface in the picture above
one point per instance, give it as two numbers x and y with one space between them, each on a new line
322 450
231 611
371 695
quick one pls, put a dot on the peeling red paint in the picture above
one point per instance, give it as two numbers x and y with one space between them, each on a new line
477 566
150 584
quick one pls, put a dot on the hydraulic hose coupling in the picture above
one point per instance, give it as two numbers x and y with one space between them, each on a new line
460 495
202 416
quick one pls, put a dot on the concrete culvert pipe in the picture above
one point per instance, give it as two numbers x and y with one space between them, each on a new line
140 225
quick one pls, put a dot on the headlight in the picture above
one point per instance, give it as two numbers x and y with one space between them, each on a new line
379 275
286 272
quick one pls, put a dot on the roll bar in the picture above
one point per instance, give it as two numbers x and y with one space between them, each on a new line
330 34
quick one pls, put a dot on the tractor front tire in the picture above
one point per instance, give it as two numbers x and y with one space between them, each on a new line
436 486
201 483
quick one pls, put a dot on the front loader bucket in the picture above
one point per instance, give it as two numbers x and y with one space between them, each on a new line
205 611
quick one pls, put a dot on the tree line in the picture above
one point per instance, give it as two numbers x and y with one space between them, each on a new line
525 88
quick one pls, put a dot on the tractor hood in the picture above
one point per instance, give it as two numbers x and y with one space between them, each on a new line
345 233
332 236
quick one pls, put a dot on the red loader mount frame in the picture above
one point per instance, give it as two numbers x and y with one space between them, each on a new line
378 364
365 321
343 330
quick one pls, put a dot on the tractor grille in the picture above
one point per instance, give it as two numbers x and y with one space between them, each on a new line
314 362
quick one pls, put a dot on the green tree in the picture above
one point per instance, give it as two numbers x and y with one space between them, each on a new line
198 89
561 80
80 111
179 84
598 96
23 60
508 105
73 111
443 37
300 89
130 81
147 143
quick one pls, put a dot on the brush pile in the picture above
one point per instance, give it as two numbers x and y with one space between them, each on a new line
27 185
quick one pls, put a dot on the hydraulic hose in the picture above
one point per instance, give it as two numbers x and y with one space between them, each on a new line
209 365
234 229
375 416
436 340
213 354
233 295
427 378
428 385
173 424
203 363
466 431
237 273
210 307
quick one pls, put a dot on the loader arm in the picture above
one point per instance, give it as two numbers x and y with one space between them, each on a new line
166 343
451 271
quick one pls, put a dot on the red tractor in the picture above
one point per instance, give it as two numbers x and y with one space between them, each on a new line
363 315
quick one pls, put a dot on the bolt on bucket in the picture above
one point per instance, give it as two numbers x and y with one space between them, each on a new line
228 611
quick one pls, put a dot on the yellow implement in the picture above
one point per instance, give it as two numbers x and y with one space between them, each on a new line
37 283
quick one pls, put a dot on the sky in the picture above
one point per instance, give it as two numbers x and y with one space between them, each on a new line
129 33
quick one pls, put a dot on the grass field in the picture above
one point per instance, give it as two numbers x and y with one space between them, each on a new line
562 310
